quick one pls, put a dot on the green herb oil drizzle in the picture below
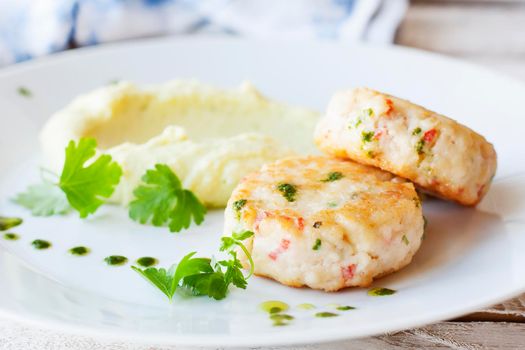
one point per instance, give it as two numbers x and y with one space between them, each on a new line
281 319
345 308
7 223
325 314
147 261
275 310
116 260
79 251
11 236
40 244
274 306
379 292
306 306
23 91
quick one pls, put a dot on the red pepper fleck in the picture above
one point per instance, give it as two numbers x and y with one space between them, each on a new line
300 223
285 243
430 135
390 105
378 134
260 217
348 272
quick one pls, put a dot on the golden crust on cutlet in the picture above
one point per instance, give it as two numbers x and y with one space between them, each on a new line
438 154
344 225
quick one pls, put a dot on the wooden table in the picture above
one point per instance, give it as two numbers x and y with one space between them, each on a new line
490 33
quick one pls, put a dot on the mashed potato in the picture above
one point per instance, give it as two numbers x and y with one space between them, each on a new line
211 138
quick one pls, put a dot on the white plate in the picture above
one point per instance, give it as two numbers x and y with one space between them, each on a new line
471 257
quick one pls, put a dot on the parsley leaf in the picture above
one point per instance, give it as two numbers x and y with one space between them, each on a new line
228 243
215 283
241 236
82 187
238 205
167 281
190 266
160 278
194 274
187 207
211 284
44 199
86 187
200 276
162 200
367 136
234 273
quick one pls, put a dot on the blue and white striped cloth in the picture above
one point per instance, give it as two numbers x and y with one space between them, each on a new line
31 28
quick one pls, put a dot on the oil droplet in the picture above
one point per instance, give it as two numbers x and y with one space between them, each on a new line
273 306
281 319
306 306
333 305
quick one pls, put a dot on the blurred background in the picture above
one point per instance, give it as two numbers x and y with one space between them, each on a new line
490 32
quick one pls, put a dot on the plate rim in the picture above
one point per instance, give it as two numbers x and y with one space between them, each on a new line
209 38
297 337
291 337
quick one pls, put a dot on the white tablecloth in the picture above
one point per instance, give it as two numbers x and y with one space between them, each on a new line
17 336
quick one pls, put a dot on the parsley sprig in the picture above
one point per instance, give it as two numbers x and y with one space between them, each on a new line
162 200
83 187
202 276
86 182
229 243
87 187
